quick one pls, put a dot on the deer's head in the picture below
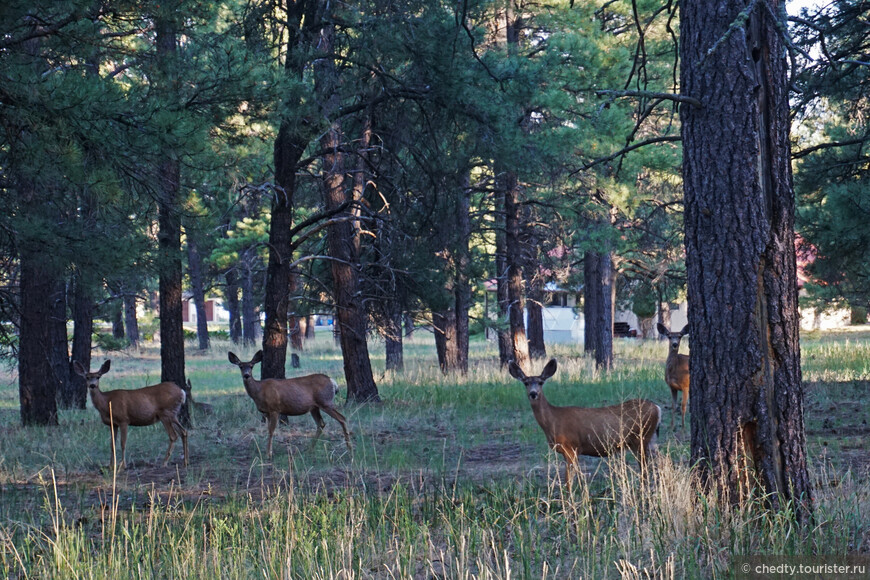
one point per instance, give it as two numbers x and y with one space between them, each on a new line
91 379
673 337
247 368
534 385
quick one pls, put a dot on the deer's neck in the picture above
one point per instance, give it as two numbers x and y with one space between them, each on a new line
99 399
253 387
543 411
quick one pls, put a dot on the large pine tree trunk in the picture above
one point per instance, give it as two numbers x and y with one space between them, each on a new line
342 240
169 236
303 22
598 307
197 288
747 395
36 388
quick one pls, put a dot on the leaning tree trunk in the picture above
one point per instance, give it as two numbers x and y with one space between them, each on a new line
747 395
36 389
342 240
118 318
598 307
169 234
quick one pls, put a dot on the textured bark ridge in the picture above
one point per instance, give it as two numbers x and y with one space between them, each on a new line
747 396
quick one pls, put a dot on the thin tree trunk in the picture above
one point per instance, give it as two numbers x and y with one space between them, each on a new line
197 288
83 329
250 320
535 312
60 344
462 283
393 338
505 350
598 307
118 319
514 262
131 322
232 295
747 394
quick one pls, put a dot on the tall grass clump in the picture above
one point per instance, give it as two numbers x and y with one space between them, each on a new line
450 477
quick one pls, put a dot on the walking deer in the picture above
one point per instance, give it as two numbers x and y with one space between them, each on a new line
296 396
137 407
676 369
592 431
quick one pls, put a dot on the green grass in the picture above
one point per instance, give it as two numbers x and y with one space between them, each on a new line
450 477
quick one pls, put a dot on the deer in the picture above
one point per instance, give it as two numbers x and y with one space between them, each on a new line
676 369
295 396
591 431
122 408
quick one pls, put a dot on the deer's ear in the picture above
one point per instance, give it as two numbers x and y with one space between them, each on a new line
685 331
79 369
662 328
549 370
515 370
105 368
257 357
233 358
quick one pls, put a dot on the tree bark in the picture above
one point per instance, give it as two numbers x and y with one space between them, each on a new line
131 322
535 311
393 338
118 318
169 234
36 389
514 262
445 340
747 394
303 19
197 288
598 307
232 295
83 329
60 344
343 240
250 320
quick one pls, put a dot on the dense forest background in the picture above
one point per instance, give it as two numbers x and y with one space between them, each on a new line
379 162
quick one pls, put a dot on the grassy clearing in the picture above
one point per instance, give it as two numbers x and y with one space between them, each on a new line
450 478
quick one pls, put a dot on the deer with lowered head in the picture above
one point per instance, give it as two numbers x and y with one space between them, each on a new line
137 407
591 431
676 369
296 396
